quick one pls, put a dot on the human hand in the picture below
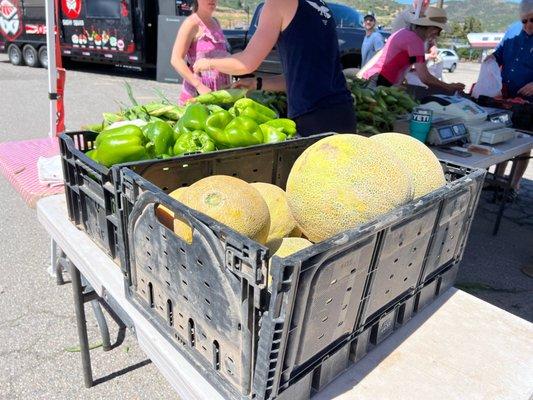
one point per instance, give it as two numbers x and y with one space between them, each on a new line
526 90
202 89
203 64
245 83
456 87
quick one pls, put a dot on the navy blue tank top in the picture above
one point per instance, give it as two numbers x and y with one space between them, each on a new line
309 52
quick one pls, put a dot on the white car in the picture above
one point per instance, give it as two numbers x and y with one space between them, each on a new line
450 59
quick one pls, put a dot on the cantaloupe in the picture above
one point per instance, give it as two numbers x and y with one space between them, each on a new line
282 223
230 201
343 181
287 246
425 169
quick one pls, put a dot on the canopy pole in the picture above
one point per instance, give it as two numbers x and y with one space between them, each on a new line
56 74
52 72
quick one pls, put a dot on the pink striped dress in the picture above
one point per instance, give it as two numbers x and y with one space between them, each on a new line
209 44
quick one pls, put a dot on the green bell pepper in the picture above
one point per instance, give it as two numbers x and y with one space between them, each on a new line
213 108
194 117
118 150
228 132
258 112
125 131
287 126
271 134
92 154
161 135
192 142
221 97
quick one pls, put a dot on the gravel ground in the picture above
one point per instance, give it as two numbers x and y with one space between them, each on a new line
37 322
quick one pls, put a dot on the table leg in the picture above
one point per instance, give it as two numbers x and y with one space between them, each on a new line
102 325
82 324
506 190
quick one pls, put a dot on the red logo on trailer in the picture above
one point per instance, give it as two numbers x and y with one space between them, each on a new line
71 8
10 24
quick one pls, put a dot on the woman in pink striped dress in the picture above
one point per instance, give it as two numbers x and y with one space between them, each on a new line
200 36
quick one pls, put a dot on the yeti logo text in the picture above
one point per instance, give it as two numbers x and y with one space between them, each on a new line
9 19
71 8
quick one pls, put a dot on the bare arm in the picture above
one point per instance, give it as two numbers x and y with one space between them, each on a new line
184 38
262 42
274 83
430 80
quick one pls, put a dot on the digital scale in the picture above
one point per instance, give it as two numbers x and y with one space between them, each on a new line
461 119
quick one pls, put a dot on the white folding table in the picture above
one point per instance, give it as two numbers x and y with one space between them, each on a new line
459 347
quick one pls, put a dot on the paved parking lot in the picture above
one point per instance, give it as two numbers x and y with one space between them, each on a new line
38 339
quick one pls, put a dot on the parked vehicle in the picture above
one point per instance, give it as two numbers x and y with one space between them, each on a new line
450 59
349 30
119 32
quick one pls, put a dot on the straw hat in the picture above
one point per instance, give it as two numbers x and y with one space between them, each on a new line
432 17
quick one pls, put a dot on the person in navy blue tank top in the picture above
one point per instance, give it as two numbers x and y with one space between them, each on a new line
306 37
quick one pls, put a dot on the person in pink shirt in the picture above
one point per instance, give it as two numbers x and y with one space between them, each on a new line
405 48
200 36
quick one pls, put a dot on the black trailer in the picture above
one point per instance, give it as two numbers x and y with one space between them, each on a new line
118 32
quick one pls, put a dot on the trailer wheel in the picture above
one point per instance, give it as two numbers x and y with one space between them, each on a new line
43 56
31 58
15 54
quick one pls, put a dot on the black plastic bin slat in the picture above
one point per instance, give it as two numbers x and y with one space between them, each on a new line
278 340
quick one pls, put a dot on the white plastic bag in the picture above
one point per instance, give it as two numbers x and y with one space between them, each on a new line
49 171
489 81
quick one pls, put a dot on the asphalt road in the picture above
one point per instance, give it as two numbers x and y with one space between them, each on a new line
37 322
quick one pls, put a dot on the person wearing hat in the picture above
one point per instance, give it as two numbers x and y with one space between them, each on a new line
305 34
405 48
373 41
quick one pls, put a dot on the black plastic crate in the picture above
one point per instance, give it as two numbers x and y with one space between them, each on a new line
210 297
90 192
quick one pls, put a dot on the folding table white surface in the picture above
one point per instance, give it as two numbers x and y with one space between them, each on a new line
459 347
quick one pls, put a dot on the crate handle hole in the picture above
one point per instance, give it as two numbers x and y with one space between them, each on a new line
340 323
349 289
329 300
182 250
395 261
419 233
191 332
410 264
147 238
414 249
207 284
324 319
353 271
184 282
151 227
207 301
216 355
387 291
392 276
400 244
151 294
168 283
170 312
208 317
149 254
186 298
321 336
344 306
200 262
183 266
239 327
405 279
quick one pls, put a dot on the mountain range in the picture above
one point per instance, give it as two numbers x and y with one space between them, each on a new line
495 15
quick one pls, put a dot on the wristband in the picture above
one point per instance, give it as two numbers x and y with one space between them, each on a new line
259 83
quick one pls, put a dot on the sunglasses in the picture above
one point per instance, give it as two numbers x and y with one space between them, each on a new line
524 21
